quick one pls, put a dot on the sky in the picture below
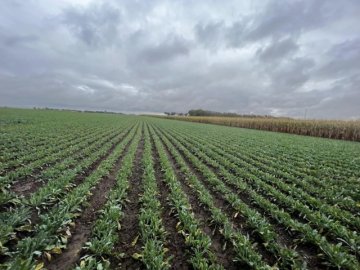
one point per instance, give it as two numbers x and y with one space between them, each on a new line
282 58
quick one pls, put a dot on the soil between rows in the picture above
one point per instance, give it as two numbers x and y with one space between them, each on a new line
34 218
218 242
84 224
306 250
130 222
175 242
239 222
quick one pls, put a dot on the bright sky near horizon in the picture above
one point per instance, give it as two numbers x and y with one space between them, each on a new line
262 57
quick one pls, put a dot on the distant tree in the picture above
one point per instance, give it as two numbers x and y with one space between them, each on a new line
197 112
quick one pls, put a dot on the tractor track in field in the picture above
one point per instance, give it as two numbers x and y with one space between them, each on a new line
174 241
84 223
204 216
130 221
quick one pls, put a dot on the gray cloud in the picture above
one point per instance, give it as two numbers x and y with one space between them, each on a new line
262 57
167 50
95 25
277 50
279 19
342 59
211 34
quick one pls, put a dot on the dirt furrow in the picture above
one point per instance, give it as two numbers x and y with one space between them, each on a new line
238 221
175 242
84 224
129 234
218 242
34 218
286 237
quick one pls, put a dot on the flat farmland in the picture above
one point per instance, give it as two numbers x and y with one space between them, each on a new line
109 191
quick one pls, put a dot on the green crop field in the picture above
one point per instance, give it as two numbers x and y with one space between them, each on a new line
109 191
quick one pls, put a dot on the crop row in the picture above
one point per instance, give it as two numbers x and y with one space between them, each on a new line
52 231
104 235
288 186
327 187
198 242
251 183
47 195
51 147
294 197
99 191
74 155
255 221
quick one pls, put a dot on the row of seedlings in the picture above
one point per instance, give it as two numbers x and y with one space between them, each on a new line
30 169
19 155
72 155
152 230
198 242
317 152
53 230
318 218
104 236
275 169
18 219
321 154
286 257
245 181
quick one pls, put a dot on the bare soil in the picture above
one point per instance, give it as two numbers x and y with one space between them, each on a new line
130 221
218 242
307 251
84 223
175 242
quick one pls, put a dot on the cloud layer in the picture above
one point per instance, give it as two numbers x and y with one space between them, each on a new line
261 57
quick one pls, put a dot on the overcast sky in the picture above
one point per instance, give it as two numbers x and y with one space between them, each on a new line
262 57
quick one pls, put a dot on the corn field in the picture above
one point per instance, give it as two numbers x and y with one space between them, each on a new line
331 129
